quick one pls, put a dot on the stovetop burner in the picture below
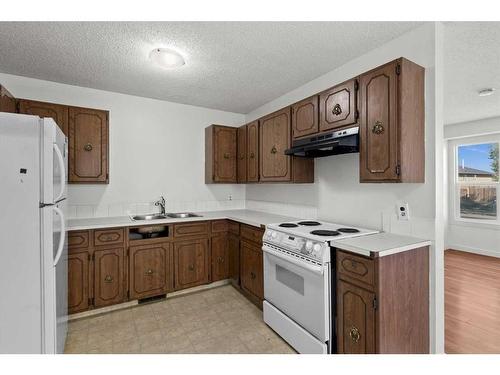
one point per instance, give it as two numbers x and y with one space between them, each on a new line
325 233
348 230
288 225
309 223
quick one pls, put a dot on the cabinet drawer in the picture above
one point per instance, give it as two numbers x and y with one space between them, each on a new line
251 233
356 268
234 227
108 237
219 226
78 240
191 229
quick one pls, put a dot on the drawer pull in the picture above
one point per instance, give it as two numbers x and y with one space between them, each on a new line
108 279
354 334
220 259
149 272
88 147
252 275
274 150
226 155
252 155
191 267
337 109
378 128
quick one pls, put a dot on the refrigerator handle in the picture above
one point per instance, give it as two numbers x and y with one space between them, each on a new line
62 236
63 171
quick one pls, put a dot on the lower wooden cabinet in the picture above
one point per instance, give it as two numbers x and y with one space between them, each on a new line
191 260
78 282
108 277
150 270
220 257
233 241
252 280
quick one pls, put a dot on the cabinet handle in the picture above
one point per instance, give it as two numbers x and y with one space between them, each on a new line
242 156
354 334
191 267
354 264
226 155
252 275
337 109
378 128
220 259
108 279
88 147
252 155
149 272
274 150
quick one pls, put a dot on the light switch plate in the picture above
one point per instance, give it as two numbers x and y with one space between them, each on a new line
403 211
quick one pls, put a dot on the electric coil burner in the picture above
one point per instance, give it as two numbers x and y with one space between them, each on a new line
348 230
325 232
288 225
308 223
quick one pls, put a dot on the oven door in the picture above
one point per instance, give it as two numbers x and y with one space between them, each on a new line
298 289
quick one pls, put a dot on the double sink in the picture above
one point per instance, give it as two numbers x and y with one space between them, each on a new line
177 215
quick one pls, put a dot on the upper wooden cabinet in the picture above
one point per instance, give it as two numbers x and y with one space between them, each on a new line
242 154
56 111
7 101
392 123
88 145
305 117
338 106
274 140
220 154
253 152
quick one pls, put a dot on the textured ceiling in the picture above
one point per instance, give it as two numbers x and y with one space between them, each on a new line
232 66
471 63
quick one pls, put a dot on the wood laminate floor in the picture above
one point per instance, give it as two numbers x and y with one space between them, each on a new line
218 320
472 303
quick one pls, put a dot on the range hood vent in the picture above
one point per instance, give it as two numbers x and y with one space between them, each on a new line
325 144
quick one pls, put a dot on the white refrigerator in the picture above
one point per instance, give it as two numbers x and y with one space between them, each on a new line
33 239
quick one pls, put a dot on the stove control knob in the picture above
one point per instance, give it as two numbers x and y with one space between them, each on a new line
317 250
308 247
274 235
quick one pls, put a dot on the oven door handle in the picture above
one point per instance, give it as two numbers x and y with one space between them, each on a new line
310 267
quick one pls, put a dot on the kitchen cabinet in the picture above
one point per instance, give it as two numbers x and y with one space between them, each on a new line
242 154
78 281
151 269
233 241
383 303
253 151
57 112
338 106
219 257
252 277
305 117
108 276
88 145
220 154
7 101
391 123
191 260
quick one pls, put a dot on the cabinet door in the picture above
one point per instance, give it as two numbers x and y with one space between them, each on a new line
242 154
220 258
151 270
338 106
356 320
108 277
191 263
378 154
234 258
305 117
252 269
78 282
7 101
274 140
56 111
225 154
88 145
253 152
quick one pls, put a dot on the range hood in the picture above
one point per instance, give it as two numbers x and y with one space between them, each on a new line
331 143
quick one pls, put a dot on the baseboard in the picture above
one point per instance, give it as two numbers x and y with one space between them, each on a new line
474 250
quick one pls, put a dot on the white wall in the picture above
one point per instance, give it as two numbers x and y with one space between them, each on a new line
472 237
156 147
337 192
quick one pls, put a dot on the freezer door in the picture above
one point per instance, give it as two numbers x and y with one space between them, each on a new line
54 162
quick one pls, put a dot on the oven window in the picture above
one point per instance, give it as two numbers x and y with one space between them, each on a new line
290 279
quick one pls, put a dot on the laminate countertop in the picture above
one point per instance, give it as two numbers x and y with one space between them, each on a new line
254 218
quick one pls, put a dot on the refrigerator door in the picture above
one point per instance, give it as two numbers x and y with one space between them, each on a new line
55 162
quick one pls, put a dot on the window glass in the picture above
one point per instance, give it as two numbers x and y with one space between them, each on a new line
478 202
478 163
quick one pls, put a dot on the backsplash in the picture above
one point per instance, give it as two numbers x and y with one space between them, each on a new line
285 209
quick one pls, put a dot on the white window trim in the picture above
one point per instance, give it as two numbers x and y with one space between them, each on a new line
454 185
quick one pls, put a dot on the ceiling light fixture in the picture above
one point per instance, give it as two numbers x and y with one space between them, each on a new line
167 58
486 92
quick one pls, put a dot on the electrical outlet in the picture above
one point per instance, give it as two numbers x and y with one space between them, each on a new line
403 211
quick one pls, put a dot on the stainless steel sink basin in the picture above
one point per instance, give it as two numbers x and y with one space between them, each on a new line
149 217
182 215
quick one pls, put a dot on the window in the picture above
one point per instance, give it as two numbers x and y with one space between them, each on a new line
476 180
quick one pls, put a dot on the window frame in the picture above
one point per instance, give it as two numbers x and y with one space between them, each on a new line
455 184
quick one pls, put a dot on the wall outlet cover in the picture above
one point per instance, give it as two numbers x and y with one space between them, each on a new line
403 211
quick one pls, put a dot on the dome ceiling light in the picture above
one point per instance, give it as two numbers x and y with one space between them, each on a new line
167 58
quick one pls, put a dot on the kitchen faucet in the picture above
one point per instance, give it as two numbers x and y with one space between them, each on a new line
161 203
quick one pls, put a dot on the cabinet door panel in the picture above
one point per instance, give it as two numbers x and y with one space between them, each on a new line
253 152
252 269
225 154
151 270
108 277
7 101
305 117
191 263
338 106
78 282
234 259
356 319
220 255
378 124
88 145
242 154
56 111
274 140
